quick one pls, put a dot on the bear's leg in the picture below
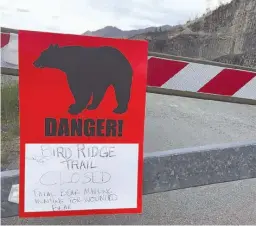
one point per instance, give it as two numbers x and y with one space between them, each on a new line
98 94
122 90
81 102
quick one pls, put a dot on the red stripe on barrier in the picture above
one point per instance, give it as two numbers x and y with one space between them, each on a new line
228 82
5 38
161 70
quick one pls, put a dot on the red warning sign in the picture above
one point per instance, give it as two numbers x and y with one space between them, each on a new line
82 109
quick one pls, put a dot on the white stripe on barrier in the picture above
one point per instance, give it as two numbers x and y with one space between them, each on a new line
192 77
248 90
9 53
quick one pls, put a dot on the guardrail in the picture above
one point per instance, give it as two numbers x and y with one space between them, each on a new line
172 92
179 76
173 170
201 61
14 72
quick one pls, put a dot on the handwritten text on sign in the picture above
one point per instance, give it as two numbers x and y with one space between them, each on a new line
80 176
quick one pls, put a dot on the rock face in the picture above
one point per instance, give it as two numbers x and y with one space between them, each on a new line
228 34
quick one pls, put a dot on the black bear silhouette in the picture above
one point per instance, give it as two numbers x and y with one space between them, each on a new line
90 71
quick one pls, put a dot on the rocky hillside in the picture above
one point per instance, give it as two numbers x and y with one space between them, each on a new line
228 34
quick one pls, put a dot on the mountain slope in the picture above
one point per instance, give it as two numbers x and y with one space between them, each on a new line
228 34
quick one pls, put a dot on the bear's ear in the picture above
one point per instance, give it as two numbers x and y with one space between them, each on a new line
50 47
56 46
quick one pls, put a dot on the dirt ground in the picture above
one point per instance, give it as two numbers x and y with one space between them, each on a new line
10 153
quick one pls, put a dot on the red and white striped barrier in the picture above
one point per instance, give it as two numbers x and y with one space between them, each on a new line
9 50
171 74
195 77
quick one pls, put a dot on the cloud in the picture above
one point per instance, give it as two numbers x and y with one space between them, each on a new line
77 16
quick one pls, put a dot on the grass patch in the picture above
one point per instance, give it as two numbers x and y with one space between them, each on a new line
9 102
9 118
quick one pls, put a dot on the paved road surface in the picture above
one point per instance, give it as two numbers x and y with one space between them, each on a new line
174 122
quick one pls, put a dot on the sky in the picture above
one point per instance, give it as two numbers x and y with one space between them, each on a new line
78 16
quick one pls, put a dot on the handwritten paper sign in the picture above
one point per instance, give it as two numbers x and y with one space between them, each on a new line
82 109
81 176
